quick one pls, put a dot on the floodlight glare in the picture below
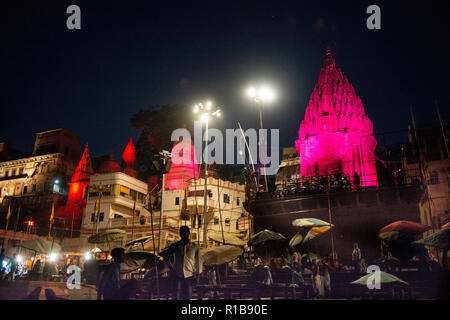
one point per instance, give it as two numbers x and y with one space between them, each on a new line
205 117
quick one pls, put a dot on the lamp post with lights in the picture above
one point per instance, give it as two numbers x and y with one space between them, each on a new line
206 112
261 95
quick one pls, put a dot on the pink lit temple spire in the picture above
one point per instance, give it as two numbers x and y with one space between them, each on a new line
336 133
180 173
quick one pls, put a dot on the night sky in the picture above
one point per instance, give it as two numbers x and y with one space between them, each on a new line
134 54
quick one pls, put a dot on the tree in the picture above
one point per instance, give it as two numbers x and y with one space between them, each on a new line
145 155
157 124
161 121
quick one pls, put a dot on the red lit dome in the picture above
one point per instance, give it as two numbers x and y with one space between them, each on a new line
110 166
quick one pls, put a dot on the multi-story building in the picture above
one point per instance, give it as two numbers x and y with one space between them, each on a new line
30 184
225 211
429 154
288 171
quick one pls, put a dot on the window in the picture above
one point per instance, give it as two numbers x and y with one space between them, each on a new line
226 198
21 171
199 221
227 221
238 201
25 189
177 201
33 188
14 172
101 216
124 191
434 177
117 216
216 220
7 173
237 225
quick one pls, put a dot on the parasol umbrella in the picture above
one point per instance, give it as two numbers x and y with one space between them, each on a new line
315 231
142 241
296 240
229 238
309 222
220 255
263 237
384 278
138 259
268 244
106 236
440 239
311 228
40 246
402 228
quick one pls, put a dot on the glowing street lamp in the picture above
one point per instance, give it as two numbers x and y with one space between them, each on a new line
261 95
53 257
206 111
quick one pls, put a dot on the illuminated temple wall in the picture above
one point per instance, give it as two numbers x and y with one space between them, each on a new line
77 196
336 133
181 173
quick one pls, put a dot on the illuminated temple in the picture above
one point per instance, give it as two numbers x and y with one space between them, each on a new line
180 173
336 133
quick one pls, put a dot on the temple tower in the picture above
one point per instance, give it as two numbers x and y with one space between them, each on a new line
180 173
129 160
78 188
336 133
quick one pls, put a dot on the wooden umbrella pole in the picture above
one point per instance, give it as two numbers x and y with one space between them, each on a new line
153 239
331 223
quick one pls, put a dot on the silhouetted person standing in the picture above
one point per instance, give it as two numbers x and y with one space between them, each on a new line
356 258
110 285
184 261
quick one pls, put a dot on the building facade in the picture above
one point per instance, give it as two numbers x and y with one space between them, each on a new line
288 172
29 185
225 210
429 165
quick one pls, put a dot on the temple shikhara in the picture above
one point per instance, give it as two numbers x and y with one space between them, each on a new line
183 171
336 133
77 197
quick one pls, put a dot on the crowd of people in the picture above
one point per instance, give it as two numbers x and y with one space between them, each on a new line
184 269
14 268
338 181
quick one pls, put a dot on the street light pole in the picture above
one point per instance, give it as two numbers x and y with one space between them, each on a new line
161 210
260 96
261 106
207 111
333 255
205 199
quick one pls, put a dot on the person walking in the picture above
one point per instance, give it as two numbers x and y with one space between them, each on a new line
326 277
184 261
318 283
12 271
356 258
110 285
268 280
211 276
